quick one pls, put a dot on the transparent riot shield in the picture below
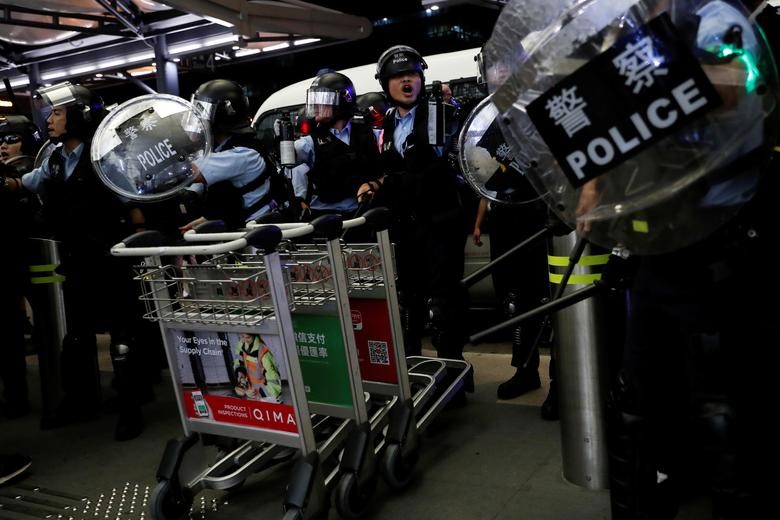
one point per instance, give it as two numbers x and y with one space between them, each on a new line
44 153
489 164
145 148
645 122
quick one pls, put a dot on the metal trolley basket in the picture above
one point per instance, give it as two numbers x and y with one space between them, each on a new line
421 386
203 311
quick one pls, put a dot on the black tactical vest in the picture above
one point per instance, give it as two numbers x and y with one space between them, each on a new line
339 169
80 209
419 186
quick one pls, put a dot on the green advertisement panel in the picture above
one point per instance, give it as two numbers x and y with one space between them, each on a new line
323 358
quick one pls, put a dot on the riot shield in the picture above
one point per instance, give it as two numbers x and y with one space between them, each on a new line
646 122
145 148
44 153
489 164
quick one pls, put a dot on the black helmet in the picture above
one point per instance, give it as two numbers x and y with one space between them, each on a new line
28 133
85 109
225 104
373 106
397 60
334 90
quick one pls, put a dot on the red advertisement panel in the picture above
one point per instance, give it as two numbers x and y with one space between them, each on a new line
374 338
257 414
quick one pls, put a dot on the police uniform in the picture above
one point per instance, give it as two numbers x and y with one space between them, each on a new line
334 163
80 212
16 212
238 177
695 388
428 229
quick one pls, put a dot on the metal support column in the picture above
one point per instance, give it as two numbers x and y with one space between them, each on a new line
167 70
34 73
48 305
581 369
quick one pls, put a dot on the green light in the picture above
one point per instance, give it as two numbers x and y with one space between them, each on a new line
747 59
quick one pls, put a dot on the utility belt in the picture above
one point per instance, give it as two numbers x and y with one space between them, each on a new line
727 253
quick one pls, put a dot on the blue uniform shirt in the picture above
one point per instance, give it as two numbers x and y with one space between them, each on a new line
240 166
304 154
32 180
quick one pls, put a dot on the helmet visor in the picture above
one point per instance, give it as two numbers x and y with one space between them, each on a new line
205 109
56 96
321 102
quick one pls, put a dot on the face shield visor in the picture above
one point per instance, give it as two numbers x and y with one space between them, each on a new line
645 121
201 112
47 99
321 103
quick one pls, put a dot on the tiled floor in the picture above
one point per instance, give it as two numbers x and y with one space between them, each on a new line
488 460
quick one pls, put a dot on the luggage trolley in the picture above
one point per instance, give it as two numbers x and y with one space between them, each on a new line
327 353
201 311
422 385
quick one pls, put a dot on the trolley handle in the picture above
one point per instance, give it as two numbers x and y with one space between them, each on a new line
211 226
149 238
210 231
328 227
145 244
377 218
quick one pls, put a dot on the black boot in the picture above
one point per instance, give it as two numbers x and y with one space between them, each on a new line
130 424
526 378
80 382
522 382
550 405
129 388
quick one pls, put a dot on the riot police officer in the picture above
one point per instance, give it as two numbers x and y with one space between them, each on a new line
237 176
88 219
338 155
422 193
19 142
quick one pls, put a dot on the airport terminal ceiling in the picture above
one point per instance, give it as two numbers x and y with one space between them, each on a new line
53 40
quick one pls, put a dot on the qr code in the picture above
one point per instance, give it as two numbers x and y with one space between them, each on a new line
377 353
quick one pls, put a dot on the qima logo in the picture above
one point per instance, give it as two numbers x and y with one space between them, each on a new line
400 58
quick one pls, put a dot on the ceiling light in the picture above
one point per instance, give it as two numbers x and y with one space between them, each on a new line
246 52
277 47
305 41
186 47
20 82
77 71
54 75
223 23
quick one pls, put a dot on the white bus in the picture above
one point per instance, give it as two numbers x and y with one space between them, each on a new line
458 68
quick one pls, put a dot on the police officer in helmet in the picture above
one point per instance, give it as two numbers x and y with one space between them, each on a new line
422 193
88 219
236 174
339 155
19 141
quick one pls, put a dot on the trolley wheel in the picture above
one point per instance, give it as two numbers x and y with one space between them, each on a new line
168 503
397 470
351 502
294 513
